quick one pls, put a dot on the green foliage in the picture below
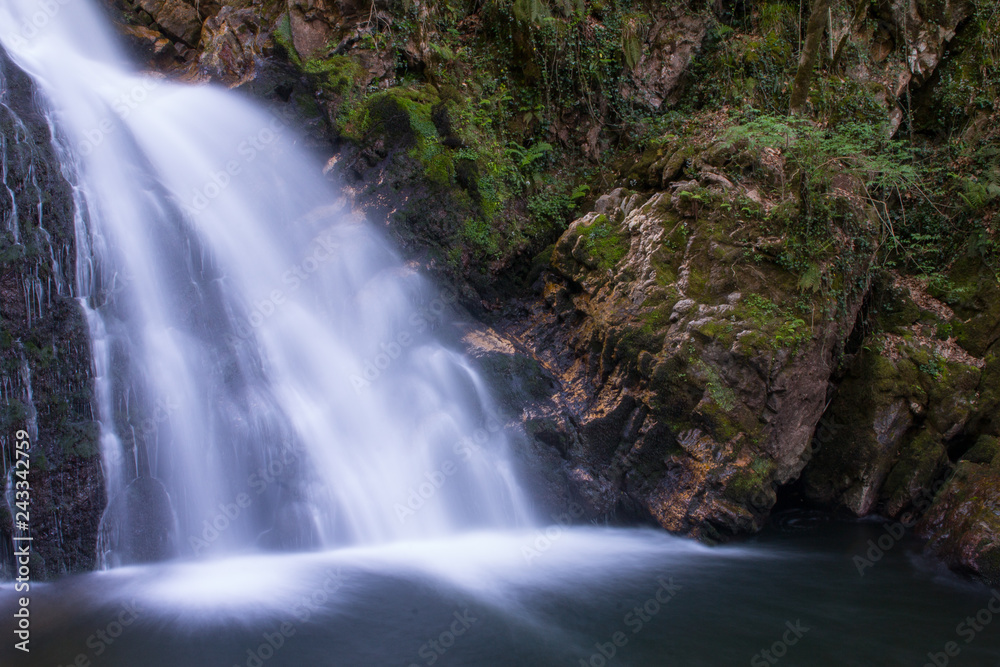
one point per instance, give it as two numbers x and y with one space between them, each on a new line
751 65
558 60
977 193
773 327
857 154
479 233
530 160
934 366
553 206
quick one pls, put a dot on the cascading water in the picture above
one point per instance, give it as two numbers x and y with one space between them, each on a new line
265 366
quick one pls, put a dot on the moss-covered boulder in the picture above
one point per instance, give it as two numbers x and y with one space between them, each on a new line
698 364
963 525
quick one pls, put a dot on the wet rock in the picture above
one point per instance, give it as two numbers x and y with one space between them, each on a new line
45 363
232 42
530 409
139 526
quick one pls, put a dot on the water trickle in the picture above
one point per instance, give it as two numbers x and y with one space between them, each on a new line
265 367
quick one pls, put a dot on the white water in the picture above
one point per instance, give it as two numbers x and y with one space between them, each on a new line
258 350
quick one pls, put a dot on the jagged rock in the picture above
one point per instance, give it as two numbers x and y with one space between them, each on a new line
926 28
311 34
232 42
176 18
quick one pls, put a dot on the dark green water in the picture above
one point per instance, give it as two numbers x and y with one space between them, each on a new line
582 596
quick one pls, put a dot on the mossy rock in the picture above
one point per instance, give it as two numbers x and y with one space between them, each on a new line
972 291
985 450
337 74
896 309
873 404
751 485
401 115
605 244
920 462
963 525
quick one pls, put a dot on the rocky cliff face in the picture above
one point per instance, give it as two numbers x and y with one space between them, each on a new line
695 305
44 352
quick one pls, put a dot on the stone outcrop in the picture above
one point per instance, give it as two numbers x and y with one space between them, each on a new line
659 60
695 372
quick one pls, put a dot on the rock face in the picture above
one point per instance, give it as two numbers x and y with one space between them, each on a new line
176 18
695 382
918 410
963 524
44 351
670 44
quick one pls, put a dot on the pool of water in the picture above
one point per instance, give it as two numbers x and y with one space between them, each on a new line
809 591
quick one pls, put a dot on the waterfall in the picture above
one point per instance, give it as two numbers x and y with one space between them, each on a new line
266 368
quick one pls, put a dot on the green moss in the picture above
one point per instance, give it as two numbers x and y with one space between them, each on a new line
919 463
896 310
338 74
604 242
751 482
283 37
718 330
440 169
481 235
